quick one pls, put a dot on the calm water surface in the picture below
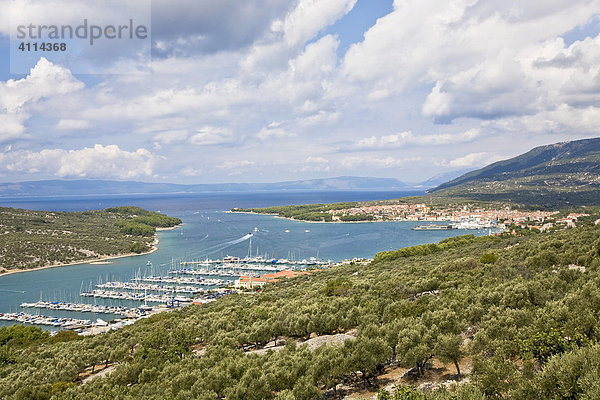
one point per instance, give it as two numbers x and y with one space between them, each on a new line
209 231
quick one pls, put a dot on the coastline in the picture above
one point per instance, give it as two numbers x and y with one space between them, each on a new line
315 222
101 260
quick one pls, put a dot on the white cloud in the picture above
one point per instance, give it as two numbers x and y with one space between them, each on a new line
491 72
169 137
95 162
316 164
191 171
355 162
273 130
235 165
310 16
320 118
472 160
17 96
12 126
73 124
288 36
210 135
408 138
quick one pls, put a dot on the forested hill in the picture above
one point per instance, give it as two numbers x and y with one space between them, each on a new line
558 175
30 239
519 316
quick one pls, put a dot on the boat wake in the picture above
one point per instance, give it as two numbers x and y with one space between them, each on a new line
223 246
12 291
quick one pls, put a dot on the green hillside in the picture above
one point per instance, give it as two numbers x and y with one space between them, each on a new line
519 316
30 239
555 176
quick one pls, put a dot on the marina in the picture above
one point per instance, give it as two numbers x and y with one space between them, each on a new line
433 227
83 308
150 287
204 272
212 252
24 318
118 295
183 280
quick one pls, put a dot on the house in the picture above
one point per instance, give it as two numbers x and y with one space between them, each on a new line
249 282
274 277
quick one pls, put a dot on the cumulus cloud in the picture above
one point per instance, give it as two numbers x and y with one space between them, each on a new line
486 70
484 60
189 26
290 34
95 162
17 96
12 126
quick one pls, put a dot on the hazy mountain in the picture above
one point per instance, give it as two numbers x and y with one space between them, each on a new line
562 174
103 187
441 178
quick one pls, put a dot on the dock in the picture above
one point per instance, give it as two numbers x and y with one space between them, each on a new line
80 307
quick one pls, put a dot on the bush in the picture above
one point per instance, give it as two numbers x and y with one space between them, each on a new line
488 258
338 287
139 247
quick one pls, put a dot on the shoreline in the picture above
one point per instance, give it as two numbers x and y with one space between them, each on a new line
101 260
319 222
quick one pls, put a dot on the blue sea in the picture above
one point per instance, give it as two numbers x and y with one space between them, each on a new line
209 231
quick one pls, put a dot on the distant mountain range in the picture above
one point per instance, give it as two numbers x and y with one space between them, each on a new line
561 174
103 187
558 175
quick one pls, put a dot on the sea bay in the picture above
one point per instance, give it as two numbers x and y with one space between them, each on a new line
209 231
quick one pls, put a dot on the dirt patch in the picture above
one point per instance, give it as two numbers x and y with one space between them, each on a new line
435 376
313 343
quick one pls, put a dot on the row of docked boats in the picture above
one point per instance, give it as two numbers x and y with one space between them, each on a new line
182 280
118 295
31 319
80 307
258 260
151 287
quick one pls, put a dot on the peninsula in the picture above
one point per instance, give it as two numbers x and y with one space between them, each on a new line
40 239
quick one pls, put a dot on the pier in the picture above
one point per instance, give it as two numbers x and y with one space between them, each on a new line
150 287
79 307
45 320
116 295
182 280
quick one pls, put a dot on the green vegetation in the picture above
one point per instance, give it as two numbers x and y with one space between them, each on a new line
357 218
527 326
309 212
554 176
30 239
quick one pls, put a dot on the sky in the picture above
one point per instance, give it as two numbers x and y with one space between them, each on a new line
273 90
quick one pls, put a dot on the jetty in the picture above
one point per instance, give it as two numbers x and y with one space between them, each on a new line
182 280
31 319
150 287
80 307
118 295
